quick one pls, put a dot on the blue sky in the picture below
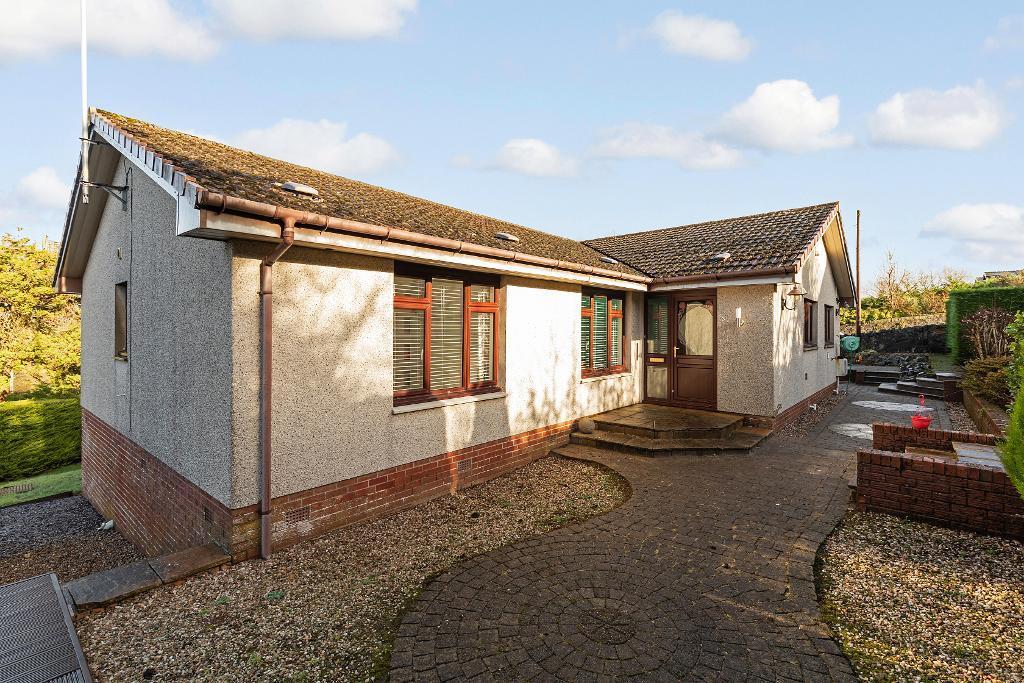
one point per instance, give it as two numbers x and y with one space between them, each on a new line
580 118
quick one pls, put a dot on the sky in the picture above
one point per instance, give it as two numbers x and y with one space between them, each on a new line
583 119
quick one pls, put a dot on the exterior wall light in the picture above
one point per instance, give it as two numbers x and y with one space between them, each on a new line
739 317
792 295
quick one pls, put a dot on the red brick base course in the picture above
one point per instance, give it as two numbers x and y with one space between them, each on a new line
793 412
161 511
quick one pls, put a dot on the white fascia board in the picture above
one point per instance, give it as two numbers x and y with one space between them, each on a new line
213 225
715 284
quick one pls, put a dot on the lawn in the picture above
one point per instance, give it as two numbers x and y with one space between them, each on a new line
38 436
67 479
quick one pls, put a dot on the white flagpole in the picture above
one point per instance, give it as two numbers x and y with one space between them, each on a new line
85 113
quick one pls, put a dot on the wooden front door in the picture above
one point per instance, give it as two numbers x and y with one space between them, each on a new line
694 353
680 349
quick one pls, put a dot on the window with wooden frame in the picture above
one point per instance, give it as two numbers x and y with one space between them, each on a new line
602 336
121 320
810 324
830 325
445 328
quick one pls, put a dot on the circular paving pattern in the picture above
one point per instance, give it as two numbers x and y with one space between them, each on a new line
856 430
892 405
605 625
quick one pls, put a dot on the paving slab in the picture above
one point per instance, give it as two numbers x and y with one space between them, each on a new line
103 588
184 563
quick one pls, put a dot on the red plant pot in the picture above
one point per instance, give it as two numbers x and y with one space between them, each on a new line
920 421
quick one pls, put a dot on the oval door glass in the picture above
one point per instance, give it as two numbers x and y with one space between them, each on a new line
696 328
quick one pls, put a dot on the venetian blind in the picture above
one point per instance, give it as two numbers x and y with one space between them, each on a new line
445 333
408 351
481 347
657 326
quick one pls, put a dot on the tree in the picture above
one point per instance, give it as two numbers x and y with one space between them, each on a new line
40 330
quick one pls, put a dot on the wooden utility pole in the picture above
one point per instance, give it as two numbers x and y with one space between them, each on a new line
857 293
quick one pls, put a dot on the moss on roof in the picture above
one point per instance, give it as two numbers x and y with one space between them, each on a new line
776 239
236 172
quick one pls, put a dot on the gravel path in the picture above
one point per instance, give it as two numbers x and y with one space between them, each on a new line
911 601
325 610
960 419
58 536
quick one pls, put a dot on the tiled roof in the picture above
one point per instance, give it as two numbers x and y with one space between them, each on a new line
220 168
763 241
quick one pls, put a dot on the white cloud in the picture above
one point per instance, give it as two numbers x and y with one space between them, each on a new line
323 145
785 116
962 118
1015 83
314 19
985 232
531 156
698 36
37 203
42 188
646 140
1009 34
129 29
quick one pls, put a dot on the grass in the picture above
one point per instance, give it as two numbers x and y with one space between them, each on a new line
942 362
66 479
38 435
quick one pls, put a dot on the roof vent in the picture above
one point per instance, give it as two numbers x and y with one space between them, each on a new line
299 188
721 256
506 236
608 259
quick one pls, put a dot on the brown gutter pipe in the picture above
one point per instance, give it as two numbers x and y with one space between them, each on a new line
287 219
216 201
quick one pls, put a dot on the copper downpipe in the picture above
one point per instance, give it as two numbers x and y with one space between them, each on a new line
287 219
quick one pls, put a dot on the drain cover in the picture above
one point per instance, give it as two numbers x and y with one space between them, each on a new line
17 488
37 641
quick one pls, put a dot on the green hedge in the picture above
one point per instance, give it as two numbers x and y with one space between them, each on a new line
37 436
1013 448
964 302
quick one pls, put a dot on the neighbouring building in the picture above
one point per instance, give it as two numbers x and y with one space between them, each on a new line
264 340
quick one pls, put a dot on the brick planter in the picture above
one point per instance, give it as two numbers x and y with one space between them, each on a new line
989 418
896 438
971 497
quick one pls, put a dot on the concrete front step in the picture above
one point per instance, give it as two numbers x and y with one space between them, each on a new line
741 440
908 389
927 390
693 424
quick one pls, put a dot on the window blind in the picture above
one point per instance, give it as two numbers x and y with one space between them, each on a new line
408 351
410 286
657 327
445 333
481 347
600 350
615 342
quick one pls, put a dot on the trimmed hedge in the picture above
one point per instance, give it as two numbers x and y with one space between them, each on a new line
964 302
37 436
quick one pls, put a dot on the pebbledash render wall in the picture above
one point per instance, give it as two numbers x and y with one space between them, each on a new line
334 417
801 374
745 377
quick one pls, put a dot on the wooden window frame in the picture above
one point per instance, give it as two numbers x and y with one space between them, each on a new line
830 326
411 396
810 323
589 313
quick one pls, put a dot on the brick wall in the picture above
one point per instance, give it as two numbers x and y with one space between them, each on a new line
310 513
793 412
988 417
161 511
938 491
896 438
156 508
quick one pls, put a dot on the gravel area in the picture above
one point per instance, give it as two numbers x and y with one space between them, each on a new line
326 610
803 425
959 419
59 536
911 601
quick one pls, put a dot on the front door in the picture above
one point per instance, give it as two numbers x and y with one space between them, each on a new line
681 342
694 362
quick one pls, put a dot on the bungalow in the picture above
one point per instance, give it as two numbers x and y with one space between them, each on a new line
270 351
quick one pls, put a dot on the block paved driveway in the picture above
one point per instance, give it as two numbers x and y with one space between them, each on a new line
705 573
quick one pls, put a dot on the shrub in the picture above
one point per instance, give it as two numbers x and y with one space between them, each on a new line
963 302
1015 373
987 379
37 436
1013 447
986 330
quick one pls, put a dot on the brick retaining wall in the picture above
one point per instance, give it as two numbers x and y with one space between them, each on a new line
161 511
896 438
989 418
937 491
